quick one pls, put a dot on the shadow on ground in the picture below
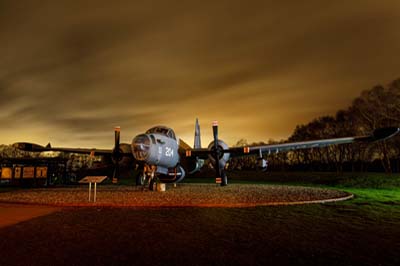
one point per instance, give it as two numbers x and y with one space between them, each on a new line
331 234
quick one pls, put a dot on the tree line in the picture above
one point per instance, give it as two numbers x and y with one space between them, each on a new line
374 108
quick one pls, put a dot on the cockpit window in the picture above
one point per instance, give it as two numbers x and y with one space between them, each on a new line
141 147
171 134
153 139
163 131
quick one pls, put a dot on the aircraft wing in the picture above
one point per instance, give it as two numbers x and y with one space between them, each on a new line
378 134
25 146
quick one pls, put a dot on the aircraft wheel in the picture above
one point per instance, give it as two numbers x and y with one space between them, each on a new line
140 178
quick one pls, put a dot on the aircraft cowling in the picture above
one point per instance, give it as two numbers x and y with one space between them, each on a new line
162 151
223 157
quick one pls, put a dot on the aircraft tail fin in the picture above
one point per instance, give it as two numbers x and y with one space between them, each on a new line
197 140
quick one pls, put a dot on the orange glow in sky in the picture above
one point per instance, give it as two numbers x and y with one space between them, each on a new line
70 72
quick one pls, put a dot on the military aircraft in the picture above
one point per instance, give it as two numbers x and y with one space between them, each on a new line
165 159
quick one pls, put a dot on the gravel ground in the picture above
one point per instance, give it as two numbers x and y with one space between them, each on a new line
184 195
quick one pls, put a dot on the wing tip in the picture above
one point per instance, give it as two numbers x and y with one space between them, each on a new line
385 132
26 146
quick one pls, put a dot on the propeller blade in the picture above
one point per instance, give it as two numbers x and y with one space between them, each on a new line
216 149
117 137
220 173
224 178
116 173
116 154
215 133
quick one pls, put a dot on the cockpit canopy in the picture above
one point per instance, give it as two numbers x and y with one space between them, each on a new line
166 131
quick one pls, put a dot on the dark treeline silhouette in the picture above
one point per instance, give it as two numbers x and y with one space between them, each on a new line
374 108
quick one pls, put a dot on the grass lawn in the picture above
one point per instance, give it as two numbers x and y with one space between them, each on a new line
373 191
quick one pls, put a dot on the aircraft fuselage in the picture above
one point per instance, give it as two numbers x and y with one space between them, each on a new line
158 149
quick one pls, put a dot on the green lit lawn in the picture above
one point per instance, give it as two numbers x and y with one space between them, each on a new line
376 195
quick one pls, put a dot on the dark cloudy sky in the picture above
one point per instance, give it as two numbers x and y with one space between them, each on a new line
72 70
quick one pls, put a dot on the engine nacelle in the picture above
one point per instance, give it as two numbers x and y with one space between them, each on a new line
224 157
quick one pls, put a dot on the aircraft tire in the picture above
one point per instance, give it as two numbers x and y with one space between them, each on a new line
140 179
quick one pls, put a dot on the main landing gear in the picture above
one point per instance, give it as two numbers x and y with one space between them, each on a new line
148 177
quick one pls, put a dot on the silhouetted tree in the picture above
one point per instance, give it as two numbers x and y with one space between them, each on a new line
374 108
377 108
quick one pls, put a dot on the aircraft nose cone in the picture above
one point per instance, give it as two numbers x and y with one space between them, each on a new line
141 147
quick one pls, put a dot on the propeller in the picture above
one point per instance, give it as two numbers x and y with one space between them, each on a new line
116 156
217 154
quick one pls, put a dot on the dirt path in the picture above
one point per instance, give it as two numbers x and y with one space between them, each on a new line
185 195
14 213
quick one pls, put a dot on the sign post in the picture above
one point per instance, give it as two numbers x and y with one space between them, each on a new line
92 179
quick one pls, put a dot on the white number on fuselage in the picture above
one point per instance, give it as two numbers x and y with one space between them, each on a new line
169 152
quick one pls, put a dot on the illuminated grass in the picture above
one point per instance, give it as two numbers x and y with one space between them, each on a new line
376 194
381 196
